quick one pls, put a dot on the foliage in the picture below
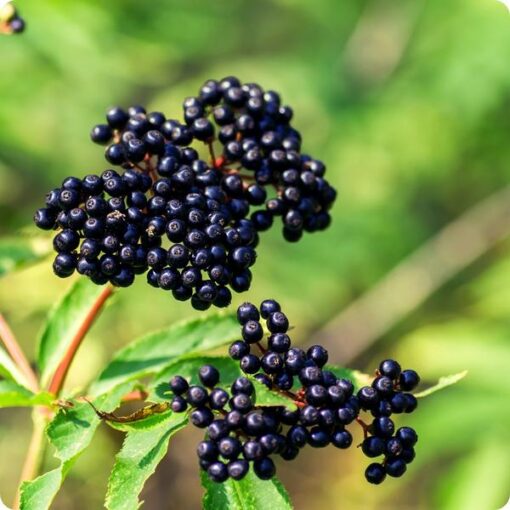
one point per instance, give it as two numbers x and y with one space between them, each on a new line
415 133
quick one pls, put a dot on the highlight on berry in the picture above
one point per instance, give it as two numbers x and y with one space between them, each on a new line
10 20
189 198
239 434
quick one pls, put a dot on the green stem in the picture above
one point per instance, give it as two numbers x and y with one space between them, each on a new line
35 453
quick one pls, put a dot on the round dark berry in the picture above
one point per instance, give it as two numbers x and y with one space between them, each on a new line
407 436
373 446
375 473
390 368
218 398
217 472
409 379
252 331
395 467
242 385
341 439
207 450
277 322
318 354
250 364
269 306
209 375
264 468
229 447
239 349
247 312
238 469
202 417
178 404
197 396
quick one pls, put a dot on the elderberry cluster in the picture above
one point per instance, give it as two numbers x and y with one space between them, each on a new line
260 151
238 432
10 20
192 225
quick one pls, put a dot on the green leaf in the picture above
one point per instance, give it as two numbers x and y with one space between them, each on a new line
153 352
443 382
16 253
9 370
63 323
141 452
15 395
188 367
251 493
70 432
357 378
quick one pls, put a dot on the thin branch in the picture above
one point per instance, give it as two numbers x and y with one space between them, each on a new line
13 348
414 279
35 454
61 372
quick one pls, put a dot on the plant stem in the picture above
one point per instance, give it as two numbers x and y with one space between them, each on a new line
60 374
35 454
17 355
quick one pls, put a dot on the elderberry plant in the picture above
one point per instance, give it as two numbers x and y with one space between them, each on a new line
186 205
190 224
239 433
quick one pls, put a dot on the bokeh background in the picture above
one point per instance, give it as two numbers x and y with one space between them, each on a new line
408 103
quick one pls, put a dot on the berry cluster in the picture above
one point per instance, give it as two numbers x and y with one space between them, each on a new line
239 432
10 21
188 223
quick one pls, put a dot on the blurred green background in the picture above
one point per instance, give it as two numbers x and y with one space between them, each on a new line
408 104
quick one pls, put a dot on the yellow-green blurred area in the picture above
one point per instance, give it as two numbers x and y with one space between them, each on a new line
408 103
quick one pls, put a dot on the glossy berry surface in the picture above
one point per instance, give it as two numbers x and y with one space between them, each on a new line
243 435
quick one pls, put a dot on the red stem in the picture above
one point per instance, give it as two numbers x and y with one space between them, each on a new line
17 355
60 374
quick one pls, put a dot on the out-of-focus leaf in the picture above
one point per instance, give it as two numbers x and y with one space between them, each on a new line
251 493
15 395
153 352
63 322
443 382
17 252
8 368
70 432
489 464
137 460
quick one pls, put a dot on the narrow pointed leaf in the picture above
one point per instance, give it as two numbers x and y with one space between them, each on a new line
9 370
17 252
15 395
153 352
141 452
251 493
62 324
444 382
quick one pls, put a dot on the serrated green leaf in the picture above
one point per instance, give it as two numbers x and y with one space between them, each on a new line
15 395
16 253
141 452
153 352
443 382
251 493
62 324
70 432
